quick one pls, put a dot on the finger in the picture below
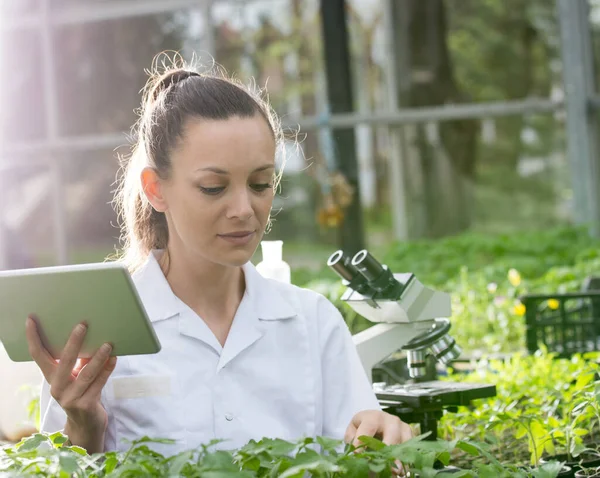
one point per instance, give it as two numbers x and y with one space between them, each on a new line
95 389
398 469
38 352
396 431
350 433
68 358
366 428
90 372
79 364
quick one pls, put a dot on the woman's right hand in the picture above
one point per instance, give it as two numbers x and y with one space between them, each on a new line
76 388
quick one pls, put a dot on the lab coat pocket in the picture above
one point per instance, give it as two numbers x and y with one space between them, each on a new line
146 405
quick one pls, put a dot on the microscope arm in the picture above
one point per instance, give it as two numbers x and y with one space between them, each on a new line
380 341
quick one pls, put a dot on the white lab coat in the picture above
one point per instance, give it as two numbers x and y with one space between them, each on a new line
289 369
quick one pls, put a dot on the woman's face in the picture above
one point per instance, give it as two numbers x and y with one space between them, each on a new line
220 192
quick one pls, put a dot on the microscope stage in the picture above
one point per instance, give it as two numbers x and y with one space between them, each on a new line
432 394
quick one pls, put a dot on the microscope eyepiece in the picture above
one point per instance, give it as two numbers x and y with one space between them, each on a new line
367 265
342 266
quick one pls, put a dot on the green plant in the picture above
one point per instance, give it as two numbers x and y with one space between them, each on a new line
576 421
47 455
539 397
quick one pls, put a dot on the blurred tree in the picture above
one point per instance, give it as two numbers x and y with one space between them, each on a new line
439 159
229 47
458 51
505 51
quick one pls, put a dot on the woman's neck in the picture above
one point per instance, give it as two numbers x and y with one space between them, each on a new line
212 290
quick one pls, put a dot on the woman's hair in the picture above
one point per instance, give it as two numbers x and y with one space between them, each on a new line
172 96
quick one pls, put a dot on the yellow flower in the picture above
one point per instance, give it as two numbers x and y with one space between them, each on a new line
519 309
553 304
514 277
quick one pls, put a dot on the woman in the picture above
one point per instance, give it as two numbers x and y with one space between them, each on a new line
243 357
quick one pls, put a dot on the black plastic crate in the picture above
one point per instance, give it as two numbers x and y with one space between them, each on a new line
565 323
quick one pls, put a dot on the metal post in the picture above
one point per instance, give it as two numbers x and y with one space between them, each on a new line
403 116
209 34
582 122
58 197
397 179
3 245
87 12
339 93
3 255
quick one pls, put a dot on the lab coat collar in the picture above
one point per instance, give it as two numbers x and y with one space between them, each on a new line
264 299
155 292
267 298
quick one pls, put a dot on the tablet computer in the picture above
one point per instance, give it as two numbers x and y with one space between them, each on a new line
102 294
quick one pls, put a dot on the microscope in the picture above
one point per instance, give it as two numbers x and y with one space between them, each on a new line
409 317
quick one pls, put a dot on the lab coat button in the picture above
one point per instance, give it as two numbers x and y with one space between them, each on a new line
228 417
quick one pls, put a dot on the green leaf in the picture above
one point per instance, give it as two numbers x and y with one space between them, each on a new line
538 430
378 467
32 442
372 443
57 438
179 462
225 474
329 443
487 471
583 380
359 468
110 463
547 470
316 464
521 432
468 448
444 458
553 422
68 463
78 450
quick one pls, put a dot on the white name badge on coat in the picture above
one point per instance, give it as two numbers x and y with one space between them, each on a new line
141 386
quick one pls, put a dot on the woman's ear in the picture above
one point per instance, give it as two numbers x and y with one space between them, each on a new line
152 187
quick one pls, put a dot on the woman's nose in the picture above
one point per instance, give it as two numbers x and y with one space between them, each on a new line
241 206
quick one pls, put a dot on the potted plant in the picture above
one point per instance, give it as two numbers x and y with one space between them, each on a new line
588 473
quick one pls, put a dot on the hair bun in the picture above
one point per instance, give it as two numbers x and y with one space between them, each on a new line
171 78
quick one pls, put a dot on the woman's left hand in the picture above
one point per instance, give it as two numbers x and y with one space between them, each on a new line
379 424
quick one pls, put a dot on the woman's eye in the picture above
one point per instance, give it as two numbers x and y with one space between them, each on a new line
261 187
211 191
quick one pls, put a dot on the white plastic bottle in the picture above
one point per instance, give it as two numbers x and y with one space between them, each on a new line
272 265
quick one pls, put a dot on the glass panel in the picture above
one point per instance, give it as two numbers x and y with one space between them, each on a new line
68 3
26 215
100 69
273 41
523 182
19 8
91 222
594 18
22 117
470 51
93 231
501 183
